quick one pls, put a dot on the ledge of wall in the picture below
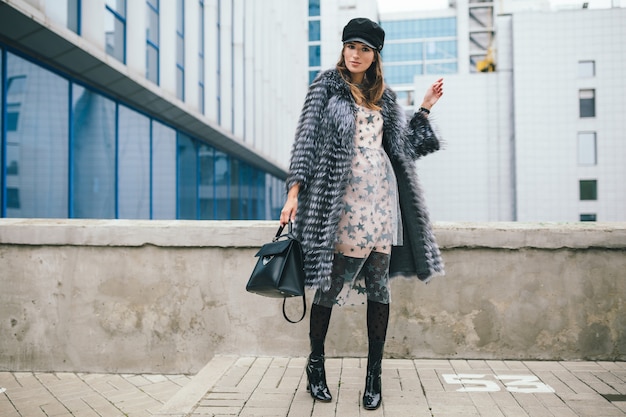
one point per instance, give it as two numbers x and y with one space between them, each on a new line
165 296
245 234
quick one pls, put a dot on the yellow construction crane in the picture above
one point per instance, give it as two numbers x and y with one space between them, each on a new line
489 63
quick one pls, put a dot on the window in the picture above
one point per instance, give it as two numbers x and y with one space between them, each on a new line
588 217
314 7
163 171
187 167
315 60
36 141
16 88
73 15
93 155
587 100
587 148
2 179
588 190
133 165
586 69
315 34
206 155
115 29
152 41
180 49
201 59
65 13
222 183
315 37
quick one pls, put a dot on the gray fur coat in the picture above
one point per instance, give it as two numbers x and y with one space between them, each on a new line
321 162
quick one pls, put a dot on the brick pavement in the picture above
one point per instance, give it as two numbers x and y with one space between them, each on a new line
275 386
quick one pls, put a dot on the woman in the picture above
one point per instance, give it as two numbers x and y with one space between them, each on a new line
354 197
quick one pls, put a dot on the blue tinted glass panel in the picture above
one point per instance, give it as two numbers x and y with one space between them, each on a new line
441 50
312 75
442 68
180 83
399 52
163 172
73 15
277 195
133 165
180 16
314 7
420 28
245 192
315 59
115 36
234 192
93 155
36 171
257 194
2 174
222 185
152 63
187 178
152 32
118 6
314 30
207 182
402 74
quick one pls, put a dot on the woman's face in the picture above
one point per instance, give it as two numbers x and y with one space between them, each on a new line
358 58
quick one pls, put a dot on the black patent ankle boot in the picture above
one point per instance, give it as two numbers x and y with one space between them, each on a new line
372 395
316 374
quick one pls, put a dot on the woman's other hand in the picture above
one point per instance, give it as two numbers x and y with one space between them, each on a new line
433 94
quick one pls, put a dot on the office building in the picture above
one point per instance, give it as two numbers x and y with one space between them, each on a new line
148 109
532 115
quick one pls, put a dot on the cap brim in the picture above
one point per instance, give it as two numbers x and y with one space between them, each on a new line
362 41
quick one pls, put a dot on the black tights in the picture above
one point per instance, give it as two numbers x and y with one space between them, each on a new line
377 321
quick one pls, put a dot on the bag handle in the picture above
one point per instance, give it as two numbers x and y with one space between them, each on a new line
278 235
303 310
280 231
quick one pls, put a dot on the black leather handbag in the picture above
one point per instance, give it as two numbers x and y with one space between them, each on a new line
279 270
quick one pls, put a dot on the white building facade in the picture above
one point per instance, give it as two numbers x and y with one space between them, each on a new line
541 138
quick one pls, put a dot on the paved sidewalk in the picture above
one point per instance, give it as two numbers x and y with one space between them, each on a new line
276 386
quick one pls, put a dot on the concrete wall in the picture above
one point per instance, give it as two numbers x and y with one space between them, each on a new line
165 296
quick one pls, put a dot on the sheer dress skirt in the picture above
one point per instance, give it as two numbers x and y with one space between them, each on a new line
370 223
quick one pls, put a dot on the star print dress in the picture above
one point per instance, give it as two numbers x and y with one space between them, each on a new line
370 220
370 216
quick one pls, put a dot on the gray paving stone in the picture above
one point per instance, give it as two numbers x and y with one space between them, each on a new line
266 386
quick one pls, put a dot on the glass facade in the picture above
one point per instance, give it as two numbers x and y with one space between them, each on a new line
68 151
421 46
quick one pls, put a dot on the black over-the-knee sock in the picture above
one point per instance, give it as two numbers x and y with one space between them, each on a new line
319 321
377 321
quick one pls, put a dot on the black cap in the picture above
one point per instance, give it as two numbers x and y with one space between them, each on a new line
363 30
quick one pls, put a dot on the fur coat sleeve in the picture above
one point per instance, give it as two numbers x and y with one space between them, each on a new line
321 162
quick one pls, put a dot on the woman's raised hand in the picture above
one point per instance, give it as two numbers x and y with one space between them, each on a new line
434 92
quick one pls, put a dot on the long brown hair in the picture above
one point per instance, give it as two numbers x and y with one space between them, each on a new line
373 86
